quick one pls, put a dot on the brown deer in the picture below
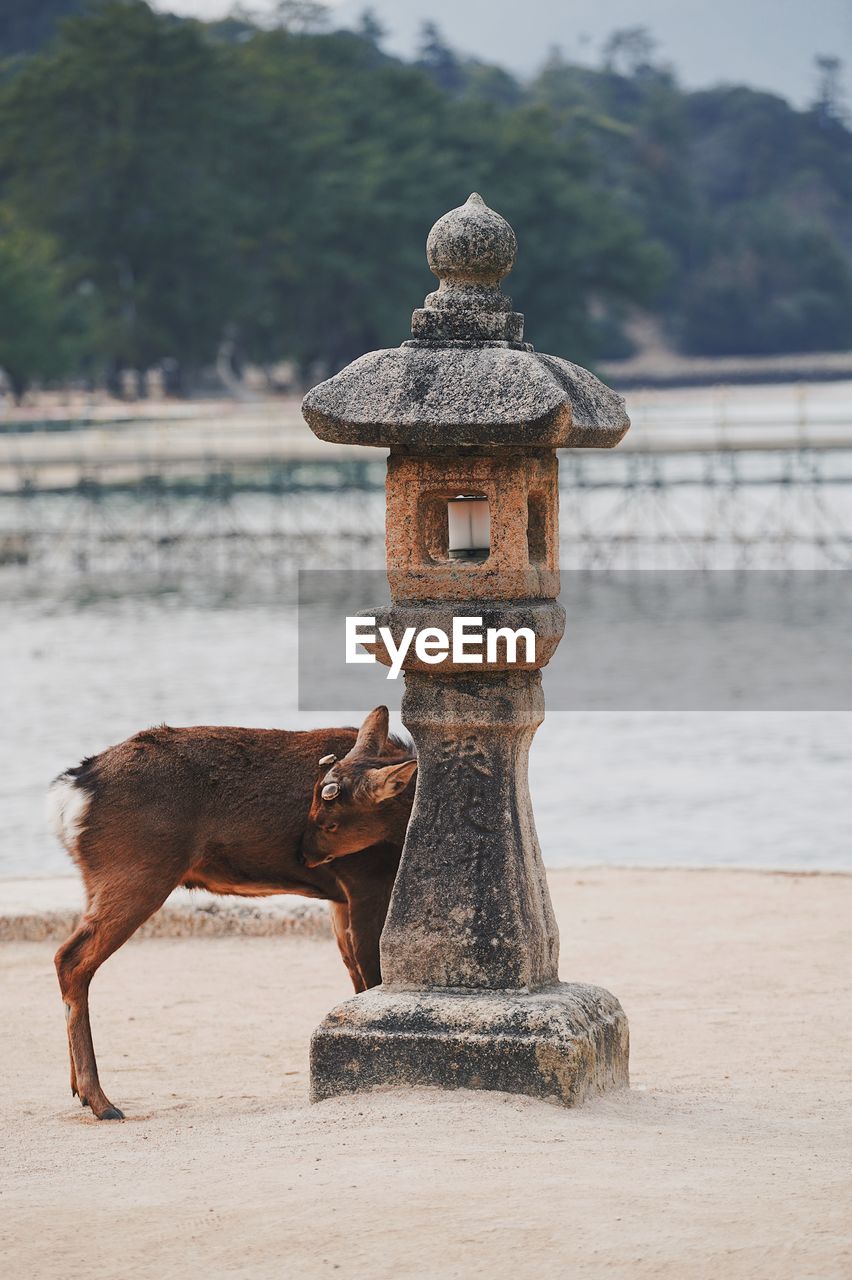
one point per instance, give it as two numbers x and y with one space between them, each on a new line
245 811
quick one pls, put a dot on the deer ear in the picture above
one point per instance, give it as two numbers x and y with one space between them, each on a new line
388 782
373 734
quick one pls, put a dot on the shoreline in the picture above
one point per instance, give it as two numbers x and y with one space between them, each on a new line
48 908
663 369
654 370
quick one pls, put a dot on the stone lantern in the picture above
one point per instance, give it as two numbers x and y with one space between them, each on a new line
473 417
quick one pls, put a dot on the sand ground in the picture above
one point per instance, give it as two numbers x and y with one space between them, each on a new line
728 1157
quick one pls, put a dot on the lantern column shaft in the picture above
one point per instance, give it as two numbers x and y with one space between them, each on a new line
471 906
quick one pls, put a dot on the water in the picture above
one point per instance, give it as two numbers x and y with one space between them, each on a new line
120 610
741 789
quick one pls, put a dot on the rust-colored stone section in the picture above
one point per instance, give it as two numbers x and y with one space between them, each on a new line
523 498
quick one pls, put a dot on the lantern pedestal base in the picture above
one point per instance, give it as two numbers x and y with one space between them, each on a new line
562 1043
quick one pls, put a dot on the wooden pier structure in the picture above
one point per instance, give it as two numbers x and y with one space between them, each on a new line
742 477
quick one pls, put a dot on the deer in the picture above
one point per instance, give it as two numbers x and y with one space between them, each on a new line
253 812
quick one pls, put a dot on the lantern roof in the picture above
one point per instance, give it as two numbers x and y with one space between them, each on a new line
467 378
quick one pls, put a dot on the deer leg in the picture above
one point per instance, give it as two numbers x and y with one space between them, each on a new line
74 1090
366 921
101 932
342 933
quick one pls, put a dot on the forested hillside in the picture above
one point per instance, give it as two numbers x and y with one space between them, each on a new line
168 185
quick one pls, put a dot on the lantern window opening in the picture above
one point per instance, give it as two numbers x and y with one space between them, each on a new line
449 536
468 528
537 528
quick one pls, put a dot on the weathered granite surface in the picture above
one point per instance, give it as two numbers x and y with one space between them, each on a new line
421 397
469 953
562 1043
467 380
470 250
471 907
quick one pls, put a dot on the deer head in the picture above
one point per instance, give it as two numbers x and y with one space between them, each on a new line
363 799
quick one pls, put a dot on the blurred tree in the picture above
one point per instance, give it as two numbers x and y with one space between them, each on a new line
332 230
333 238
370 28
43 329
136 184
438 60
583 258
26 25
268 187
302 17
690 167
768 286
491 84
629 51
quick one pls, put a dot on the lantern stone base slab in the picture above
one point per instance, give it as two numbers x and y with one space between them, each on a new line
561 1043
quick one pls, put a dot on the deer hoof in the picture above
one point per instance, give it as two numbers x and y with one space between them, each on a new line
112 1113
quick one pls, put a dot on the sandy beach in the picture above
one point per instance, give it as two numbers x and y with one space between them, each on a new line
728 1157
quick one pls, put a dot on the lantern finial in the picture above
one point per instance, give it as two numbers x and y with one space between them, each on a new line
471 250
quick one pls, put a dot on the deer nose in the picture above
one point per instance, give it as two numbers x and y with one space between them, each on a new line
320 862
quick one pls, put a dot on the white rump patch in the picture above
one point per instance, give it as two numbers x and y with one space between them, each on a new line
67 807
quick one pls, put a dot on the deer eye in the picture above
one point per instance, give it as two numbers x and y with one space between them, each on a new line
330 791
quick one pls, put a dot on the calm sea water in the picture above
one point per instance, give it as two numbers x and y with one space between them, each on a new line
725 789
736 788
